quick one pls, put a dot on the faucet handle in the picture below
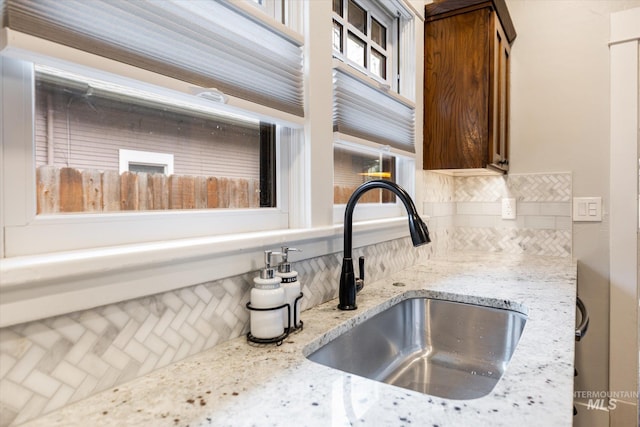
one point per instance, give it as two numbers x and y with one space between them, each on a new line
360 279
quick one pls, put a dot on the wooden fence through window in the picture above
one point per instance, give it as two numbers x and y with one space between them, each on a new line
64 190
342 193
73 190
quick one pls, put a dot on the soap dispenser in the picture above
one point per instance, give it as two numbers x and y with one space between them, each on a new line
267 294
290 318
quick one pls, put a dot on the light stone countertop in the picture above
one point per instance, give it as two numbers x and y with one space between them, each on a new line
237 384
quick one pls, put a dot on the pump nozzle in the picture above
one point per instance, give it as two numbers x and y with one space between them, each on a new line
285 266
268 272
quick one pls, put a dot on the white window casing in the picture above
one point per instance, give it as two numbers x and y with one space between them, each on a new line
400 19
372 115
53 264
127 157
405 177
407 54
212 44
286 12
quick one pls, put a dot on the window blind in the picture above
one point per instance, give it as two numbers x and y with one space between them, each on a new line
208 43
370 113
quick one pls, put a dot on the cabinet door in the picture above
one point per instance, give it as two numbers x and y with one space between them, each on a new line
456 92
499 129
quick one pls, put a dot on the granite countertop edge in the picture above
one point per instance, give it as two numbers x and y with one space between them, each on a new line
240 384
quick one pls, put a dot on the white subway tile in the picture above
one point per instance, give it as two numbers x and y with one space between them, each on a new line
41 334
26 364
482 221
467 208
43 384
94 365
517 223
68 328
149 364
115 357
428 208
136 351
94 321
69 374
59 399
556 209
34 407
115 315
540 222
126 334
146 328
14 396
490 208
564 223
203 293
6 363
528 208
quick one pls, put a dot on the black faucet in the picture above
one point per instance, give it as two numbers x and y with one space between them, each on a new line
417 228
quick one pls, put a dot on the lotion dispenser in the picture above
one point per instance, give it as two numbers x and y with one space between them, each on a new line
267 294
290 318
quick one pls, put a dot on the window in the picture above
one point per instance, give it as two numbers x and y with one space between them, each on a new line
89 133
357 161
273 8
145 162
373 111
188 90
287 12
362 34
354 167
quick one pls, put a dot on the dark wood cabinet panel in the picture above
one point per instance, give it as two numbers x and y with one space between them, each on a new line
466 86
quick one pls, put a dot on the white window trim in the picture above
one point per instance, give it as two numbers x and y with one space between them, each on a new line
68 232
126 157
406 179
273 11
384 17
273 8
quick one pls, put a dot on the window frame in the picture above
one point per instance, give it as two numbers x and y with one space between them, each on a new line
148 158
405 169
376 12
273 8
66 232
403 39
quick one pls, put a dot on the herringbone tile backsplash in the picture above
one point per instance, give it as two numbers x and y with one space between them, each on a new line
47 364
469 209
50 363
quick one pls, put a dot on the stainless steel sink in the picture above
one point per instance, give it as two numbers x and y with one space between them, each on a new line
442 348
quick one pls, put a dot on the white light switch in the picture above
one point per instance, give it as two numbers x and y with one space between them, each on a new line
587 209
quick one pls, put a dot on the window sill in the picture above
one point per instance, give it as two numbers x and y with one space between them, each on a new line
40 286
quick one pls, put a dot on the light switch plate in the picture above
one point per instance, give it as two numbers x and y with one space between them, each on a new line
587 209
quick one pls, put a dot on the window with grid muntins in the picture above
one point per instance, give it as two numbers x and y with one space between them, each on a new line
362 36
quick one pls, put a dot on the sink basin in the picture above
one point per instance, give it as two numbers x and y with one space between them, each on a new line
442 348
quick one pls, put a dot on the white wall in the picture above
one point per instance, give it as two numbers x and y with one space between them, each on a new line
560 122
625 91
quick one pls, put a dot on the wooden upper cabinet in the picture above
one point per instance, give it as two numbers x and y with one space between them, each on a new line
466 84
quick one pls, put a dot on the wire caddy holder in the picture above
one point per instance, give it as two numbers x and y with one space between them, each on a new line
297 324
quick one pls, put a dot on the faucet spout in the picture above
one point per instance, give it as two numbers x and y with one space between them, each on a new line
417 229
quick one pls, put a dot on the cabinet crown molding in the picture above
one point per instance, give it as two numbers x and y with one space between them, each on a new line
442 8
